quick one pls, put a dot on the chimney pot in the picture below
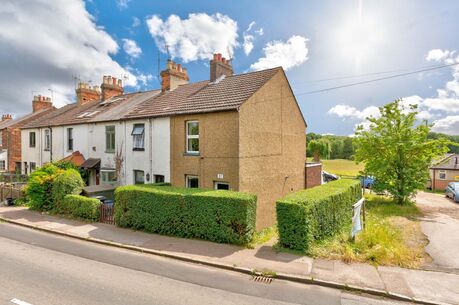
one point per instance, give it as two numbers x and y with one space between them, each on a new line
174 76
220 66
111 86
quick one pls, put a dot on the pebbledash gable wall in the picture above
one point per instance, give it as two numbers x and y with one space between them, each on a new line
259 149
218 150
271 146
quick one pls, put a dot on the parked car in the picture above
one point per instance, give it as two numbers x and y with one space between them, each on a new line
327 177
367 181
452 191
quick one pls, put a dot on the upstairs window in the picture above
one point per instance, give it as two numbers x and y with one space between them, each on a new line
138 137
32 139
69 138
192 137
110 138
47 139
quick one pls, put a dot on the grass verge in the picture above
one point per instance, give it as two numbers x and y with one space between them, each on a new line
341 167
392 237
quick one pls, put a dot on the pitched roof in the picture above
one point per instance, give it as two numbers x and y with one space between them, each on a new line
450 162
111 109
24 120
224 94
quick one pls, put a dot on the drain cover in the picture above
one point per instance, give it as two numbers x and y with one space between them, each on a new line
262 279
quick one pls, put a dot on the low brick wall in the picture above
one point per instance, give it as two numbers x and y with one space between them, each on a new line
313 175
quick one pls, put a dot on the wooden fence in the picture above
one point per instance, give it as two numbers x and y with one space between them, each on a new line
107 212
10 191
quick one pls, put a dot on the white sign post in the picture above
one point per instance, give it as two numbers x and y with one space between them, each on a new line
358 224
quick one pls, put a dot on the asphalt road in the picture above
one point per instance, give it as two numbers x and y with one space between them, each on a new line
44 269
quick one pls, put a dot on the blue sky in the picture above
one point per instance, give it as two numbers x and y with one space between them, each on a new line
312 40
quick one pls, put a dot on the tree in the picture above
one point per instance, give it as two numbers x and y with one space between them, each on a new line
319 148
348 148
397 152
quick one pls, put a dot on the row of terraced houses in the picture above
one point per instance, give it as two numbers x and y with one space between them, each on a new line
240 132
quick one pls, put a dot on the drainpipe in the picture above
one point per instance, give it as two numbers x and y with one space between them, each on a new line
150 148
50 144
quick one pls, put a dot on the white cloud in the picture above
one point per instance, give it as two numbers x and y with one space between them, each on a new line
437 55
122 4
248 43
197 37
350 112
135 22
287 54
144 78
249 38
44 45
131 48
448 125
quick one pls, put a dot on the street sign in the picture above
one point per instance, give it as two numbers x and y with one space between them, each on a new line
358 224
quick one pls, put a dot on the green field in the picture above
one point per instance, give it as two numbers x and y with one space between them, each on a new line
341 167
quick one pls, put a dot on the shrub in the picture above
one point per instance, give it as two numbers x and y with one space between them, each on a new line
39 187
313 214
81 207
65 183
220 216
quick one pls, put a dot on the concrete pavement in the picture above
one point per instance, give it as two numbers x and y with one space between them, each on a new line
40 268
409 284
441 225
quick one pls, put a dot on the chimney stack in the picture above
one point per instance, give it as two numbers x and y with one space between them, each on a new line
86 93
41 102
220 66
174 76
6 117
111 87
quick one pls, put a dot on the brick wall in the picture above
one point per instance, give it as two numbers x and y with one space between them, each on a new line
313 175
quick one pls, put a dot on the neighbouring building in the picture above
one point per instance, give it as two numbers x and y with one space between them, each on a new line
240 132
10 136
313 173
444 171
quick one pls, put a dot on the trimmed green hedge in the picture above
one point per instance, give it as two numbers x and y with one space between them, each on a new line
220 216
313 214
80 207
67 182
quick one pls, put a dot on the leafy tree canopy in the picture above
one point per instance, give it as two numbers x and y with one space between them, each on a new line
396 150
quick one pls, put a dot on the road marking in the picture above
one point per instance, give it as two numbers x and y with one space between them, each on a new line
19 302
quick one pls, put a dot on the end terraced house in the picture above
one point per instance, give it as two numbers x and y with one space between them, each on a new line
240 132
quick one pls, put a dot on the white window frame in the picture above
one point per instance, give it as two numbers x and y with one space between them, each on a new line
32 166
34 139
188 180
189 137
108 138
70 139
2 165
135 176
138 140
440 173
216 183
47 145
107 171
